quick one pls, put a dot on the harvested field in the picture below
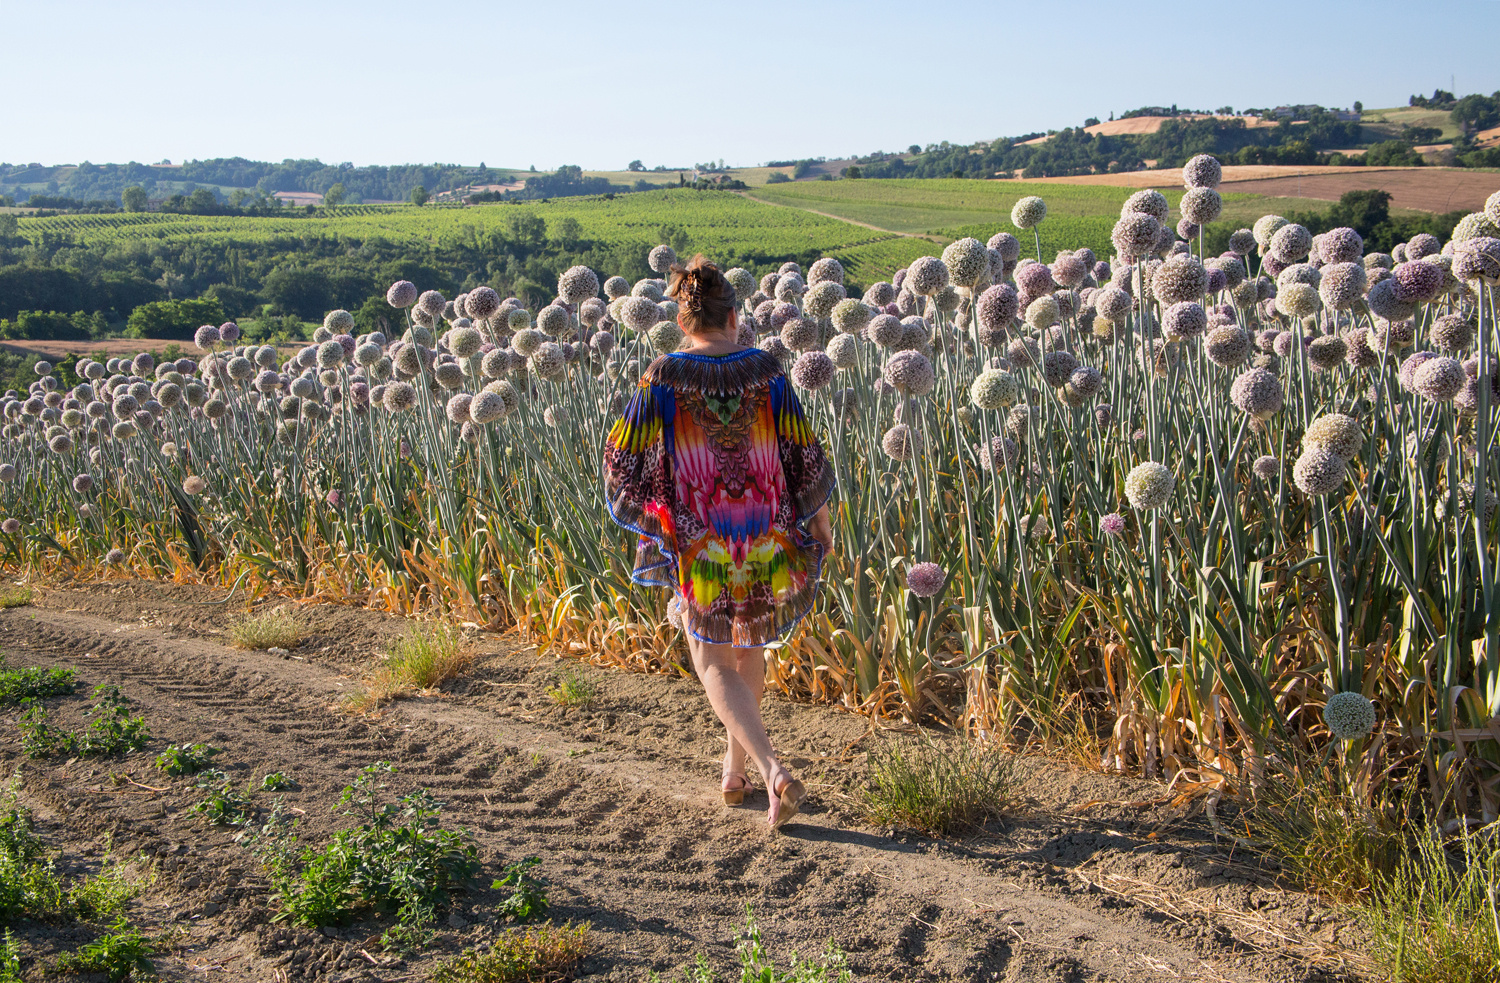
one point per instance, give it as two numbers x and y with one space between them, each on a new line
1096 878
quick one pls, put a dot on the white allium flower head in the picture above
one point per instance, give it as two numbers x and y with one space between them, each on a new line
1028 212
616 287
1349 715
1149 485
843 349
1319 471
577 284
665 337
403 293
1147 201
1202 171
1336 432
661 259
994 388
822 297
337 322
1257 393
1201 206
968 262
910 373
825 270
553 320
926 276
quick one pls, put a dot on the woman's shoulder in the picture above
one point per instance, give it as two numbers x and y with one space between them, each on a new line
734 372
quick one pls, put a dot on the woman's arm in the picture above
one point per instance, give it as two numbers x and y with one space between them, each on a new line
821 528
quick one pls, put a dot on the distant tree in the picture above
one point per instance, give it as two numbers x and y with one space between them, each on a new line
202 202
303 292
528 229
1091 121
778 177
10 227
335 194
134 198
1477 112
1359 107
914 149
853 171
177 319
419 196
635 165
569 232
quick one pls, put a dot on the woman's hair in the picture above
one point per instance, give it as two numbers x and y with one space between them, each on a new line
704 298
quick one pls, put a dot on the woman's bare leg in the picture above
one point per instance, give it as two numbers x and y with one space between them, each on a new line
751 665
738 707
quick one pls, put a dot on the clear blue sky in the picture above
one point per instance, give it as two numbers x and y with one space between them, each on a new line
598 84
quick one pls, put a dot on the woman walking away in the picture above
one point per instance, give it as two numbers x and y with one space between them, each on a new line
717 470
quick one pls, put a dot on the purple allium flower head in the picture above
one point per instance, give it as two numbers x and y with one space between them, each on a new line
1417 282
333 497
1201 206
403 293
1135 235
206 337
1007 245
925 579
813 370
1267 467
10 526
1112 524
1202 171
83 482
1341 245
1035 279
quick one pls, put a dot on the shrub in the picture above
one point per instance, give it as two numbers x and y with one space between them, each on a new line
224 804
121 955
35 682
939 789
528 895
186 759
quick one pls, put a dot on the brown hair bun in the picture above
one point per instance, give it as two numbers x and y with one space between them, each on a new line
705 300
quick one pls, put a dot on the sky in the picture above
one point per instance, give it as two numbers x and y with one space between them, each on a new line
600 84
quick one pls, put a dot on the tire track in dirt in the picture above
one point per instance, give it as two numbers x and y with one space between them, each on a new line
658 866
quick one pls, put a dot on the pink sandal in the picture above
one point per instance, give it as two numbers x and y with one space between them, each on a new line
736 796
792 794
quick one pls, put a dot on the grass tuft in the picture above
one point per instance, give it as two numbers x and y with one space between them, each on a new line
939 788
574 689
1435 919
1328 840
422 659
540 953
266 630
15 596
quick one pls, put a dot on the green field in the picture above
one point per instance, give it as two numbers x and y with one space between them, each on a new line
1386 124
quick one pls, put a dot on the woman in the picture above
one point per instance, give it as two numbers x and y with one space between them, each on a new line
714 466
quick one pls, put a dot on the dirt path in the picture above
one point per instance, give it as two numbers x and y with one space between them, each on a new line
864 225
620 802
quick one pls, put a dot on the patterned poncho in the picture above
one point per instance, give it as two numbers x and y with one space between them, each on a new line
715 467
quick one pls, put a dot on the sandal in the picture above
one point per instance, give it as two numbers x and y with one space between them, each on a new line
792 794
736 796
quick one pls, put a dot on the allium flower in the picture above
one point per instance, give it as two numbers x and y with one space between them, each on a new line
884 330
7 473
194 485
1184 320
925 579
1268 468
399 397
1112 524
1337 433
661 259
994 388
926 276
553 320
60 444
576 285
1135 235
486 407
743 282
1298 300
1439 379
843 351
1390 336
432 303
910 373
1325 352
548 362
1265 227
1475 225
1057 367
1416 282
1181 278
1349 716
1291 243
1319 471
206 337
114 557
528 340
1147 202
1257 393
821 297
968 262
799 335
1149 485
330 355
1360 354
639 314
337 322
1028 212
10 526
901 442
1201 206
1043 312
813 370
1452 333
403 293
1202 171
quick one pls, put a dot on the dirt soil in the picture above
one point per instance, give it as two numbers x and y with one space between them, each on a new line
113 347
1092 878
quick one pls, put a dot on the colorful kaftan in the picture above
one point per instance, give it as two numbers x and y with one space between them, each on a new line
715 467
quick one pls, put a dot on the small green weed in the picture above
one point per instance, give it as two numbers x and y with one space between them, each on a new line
938 789
31 888
397 861
38 737
112 730
528 894
427 657
106 894
34 682
1435 919
574 689
530 955
15 596
10 959
269 629
757 967
187 759
121 955
223 804
276 781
